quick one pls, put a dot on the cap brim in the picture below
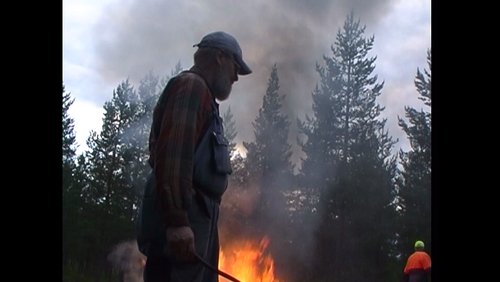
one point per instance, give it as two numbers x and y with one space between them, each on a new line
244 69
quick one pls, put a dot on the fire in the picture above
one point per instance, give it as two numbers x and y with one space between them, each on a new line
247 261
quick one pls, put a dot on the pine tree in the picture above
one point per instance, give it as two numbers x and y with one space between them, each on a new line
135 137
69 193
76 226
232 218
415 182
68 130
349 164
230 130
269 169
110 196
238 177
268 157
107 146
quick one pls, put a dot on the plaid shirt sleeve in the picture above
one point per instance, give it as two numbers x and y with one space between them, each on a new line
180 124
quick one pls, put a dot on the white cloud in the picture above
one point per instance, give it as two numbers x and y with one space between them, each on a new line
87 117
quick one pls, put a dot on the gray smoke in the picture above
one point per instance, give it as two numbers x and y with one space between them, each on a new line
154 35
128 261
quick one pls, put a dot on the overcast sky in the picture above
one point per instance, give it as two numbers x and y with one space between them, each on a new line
108 41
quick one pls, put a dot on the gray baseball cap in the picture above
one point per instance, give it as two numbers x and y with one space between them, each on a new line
228 43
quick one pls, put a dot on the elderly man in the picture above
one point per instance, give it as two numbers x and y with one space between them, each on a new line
190 163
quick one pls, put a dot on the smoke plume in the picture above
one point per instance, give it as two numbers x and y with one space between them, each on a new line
128 261
154 35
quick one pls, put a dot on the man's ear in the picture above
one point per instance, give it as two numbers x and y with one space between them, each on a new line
220 57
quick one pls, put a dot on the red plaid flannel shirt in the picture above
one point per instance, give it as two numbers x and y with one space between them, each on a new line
181 125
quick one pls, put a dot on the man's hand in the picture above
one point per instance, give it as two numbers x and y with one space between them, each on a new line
180 244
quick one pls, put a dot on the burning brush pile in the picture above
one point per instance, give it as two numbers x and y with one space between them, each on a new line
247 260
244 251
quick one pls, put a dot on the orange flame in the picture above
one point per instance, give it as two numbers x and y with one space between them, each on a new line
247 261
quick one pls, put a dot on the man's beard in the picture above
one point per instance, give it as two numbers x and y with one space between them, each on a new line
222 86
